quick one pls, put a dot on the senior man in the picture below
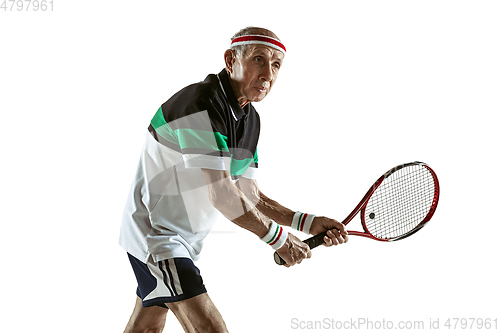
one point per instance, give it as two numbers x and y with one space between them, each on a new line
200 160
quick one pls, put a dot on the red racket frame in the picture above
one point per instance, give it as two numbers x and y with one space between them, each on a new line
362 205
318 239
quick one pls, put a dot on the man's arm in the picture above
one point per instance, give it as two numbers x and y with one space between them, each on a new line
283 216
268 207
241 210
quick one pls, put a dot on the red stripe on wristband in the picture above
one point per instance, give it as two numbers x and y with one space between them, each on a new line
275 233
279 235
302 222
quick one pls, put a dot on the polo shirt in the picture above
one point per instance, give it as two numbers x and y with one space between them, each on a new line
168 212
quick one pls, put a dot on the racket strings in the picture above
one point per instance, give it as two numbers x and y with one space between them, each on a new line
400 203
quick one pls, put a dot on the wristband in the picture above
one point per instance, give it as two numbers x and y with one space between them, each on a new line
302 222
276 236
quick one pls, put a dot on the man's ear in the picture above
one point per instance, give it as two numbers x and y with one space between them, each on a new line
229 57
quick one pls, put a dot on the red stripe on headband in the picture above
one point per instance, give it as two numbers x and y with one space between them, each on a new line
249 39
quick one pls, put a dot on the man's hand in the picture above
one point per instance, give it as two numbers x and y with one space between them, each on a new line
336 231
294 251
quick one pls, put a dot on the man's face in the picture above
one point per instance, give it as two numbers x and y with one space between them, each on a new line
254 73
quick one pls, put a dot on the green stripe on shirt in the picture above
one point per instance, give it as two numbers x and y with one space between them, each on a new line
190 138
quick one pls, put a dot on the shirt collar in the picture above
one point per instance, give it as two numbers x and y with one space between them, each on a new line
236 109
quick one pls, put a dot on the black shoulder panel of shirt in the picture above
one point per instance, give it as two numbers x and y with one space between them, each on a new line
214 95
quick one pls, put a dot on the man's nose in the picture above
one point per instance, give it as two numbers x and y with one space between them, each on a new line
267 73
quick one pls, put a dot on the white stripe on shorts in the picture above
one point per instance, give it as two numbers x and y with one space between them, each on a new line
167 279
177 282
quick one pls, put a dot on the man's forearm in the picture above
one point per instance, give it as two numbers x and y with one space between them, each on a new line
234 204
264 204
254 221
274 210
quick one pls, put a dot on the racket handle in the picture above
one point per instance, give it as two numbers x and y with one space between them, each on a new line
312 242
316 241
278 259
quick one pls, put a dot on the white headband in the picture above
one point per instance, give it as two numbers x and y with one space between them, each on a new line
258 39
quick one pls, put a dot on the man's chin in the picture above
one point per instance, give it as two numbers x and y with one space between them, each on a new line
259 98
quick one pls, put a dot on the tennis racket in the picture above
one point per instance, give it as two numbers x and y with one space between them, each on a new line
398 205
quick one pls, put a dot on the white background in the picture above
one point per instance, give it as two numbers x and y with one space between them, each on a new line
366 85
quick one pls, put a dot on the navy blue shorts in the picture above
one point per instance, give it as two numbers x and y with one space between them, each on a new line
166 281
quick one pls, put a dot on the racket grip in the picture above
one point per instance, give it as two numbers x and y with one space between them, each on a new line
312 242
278 259
316 241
